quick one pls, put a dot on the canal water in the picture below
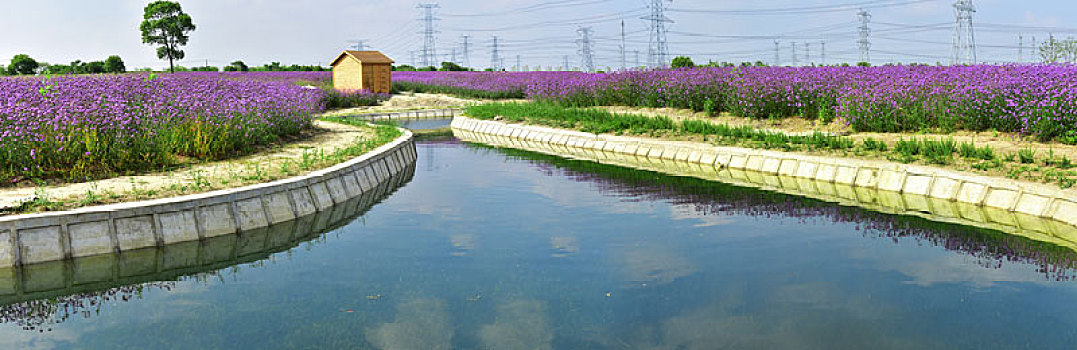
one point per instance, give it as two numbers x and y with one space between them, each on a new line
486 248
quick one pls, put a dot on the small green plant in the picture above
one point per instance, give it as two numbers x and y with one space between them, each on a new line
968 150
871 144
908 148
1027 156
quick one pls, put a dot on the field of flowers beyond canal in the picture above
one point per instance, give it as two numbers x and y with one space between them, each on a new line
78 127
1033 100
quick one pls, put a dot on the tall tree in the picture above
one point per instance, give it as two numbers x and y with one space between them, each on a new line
22 64
165 24
114 64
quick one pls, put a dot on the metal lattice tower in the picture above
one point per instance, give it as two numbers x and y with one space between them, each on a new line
429 54
467 51
623 63
586 51
777 53
454 56
865 35
807 54
964 43
360 44
822 52
658 52
793 46
565 67
495 57
1021 48
518 66
636 60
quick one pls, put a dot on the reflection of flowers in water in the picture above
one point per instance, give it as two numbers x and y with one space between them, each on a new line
40 315
990 248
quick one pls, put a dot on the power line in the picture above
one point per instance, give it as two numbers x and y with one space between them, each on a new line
803 10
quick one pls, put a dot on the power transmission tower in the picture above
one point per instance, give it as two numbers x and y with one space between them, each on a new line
636 53
587 59
777 53
658 53
565 67
793 46
822 52
964 43
1020 48
429 50
623 45
865 35
360 44
467 51
518 66
454 56
495 57
807 53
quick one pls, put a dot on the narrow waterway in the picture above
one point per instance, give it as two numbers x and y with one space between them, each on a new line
486 248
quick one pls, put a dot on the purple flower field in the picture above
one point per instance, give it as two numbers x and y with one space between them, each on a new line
77 127
1036 100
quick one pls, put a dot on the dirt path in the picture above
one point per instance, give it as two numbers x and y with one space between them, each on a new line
293 159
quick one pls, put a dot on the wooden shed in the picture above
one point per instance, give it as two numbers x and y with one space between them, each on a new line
359 70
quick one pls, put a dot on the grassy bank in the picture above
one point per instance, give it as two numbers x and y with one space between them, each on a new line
1024 165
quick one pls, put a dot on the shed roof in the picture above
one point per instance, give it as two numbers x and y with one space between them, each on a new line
363 57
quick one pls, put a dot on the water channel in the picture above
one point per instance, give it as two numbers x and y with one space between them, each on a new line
486 248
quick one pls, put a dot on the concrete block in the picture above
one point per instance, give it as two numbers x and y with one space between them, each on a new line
826 172
216 220
304 203
682 154
1032 204
806 169
1066 212
917 184
891 200
827 189
694 156
754 163
362 176
9 281
40 244
971 212
1001 198
337 193
90 238
320 193
867 177
771 165
866 195
845 175
136 232
1000 216
943 207
7 248
250 214
788 167
279 209
945 188
972 193
178 226
707 158
891 180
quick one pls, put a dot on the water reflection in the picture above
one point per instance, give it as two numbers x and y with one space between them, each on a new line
35 297
712 201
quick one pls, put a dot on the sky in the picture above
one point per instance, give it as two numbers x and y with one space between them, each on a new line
541 33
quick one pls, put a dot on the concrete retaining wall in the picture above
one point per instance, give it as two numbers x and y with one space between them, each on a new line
101 272
37 238
1041 212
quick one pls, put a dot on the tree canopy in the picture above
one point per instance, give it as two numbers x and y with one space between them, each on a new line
683 62
114 64
166 25
22 64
